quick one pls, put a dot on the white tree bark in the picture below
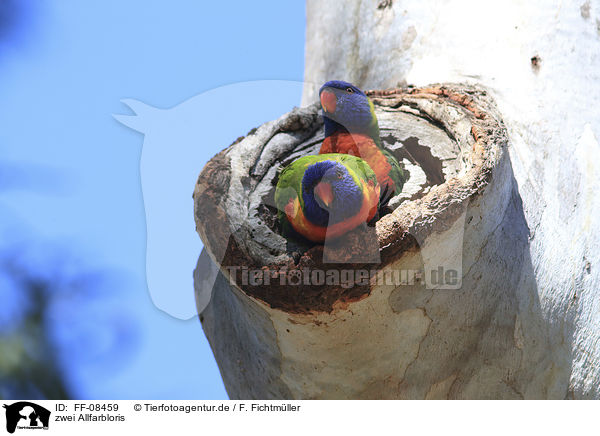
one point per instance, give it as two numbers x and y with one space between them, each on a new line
541 62
512 210
482 336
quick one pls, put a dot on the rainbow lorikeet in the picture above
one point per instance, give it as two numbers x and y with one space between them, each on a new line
351 128
326 195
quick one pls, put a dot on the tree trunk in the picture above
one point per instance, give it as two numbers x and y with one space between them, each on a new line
541 63
523 320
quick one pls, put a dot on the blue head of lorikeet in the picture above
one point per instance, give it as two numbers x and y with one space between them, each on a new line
347 109
326 195
330 193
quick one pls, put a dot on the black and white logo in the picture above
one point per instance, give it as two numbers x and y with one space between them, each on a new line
26 415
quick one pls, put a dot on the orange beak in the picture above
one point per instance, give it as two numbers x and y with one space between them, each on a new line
324 192
328 101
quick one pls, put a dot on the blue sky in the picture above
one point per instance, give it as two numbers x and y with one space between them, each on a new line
64 67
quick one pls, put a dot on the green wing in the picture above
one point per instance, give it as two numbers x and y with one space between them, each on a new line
373 130
397 172
290 181
289 186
